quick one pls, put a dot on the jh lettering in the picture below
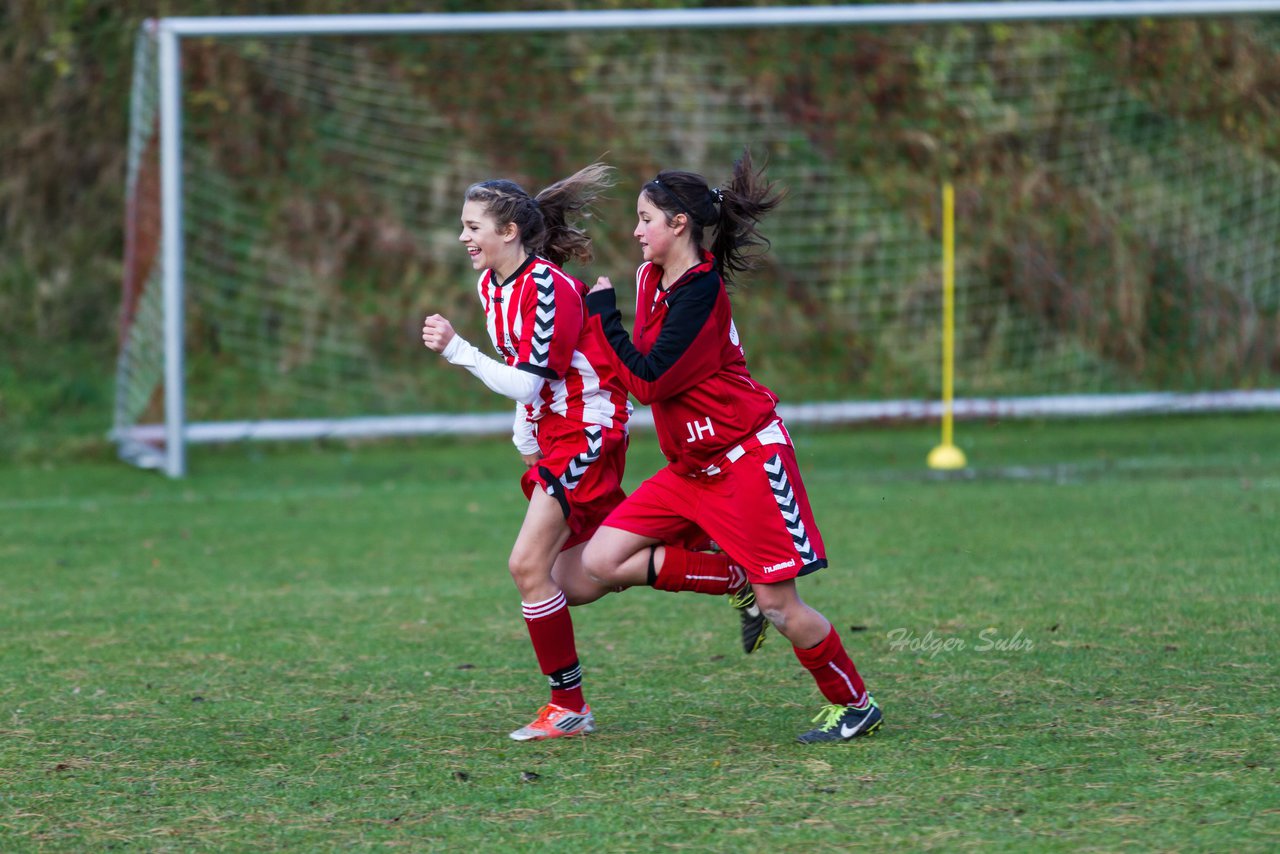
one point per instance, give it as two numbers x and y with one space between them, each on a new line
698 430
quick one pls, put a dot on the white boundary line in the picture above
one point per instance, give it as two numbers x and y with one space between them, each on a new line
839 412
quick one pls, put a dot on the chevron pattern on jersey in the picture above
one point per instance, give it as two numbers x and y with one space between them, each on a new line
578 465
786 498
545 317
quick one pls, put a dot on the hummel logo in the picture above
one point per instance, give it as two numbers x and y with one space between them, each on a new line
778 566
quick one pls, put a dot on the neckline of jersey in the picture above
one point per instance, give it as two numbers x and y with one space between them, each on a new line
703 266
520 271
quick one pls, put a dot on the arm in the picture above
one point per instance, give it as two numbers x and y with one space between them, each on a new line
674 364
519 385
522 436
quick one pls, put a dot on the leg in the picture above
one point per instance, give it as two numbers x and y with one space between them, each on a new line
538 544
546 615
596 460
817 645
815 642
659 511
799 623
570 575
774 533
615 558
619 559
652 538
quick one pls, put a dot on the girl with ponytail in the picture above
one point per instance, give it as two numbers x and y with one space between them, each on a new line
732 475
570 409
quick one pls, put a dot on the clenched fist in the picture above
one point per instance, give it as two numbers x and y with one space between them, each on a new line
437 332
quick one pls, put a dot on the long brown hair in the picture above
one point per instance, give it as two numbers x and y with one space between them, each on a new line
544 219
733 211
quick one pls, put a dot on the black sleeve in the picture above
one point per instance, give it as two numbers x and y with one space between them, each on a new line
687 311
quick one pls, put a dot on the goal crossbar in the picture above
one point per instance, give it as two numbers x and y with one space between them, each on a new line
726 18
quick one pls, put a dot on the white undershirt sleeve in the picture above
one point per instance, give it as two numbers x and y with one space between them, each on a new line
522 432
520 386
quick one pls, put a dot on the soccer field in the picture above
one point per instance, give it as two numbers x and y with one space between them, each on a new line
320 649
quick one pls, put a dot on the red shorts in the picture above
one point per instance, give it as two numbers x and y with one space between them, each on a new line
755 509
581 467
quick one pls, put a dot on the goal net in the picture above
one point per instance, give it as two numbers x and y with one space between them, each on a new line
1117 190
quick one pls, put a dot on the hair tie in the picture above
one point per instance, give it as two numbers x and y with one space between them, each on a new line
717 194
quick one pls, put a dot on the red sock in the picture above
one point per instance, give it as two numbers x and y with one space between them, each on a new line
699 572
833 670
551 630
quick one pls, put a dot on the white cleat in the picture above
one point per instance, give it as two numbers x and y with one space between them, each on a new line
556 722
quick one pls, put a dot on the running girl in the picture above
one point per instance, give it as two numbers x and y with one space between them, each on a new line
571 411
732 471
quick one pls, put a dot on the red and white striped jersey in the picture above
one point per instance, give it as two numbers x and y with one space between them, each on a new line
538 323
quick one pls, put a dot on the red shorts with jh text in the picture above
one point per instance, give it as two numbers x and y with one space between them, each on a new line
581 467
755 509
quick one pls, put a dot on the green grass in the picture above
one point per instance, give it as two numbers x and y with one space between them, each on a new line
319 649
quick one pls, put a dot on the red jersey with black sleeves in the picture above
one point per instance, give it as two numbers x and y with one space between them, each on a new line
685 361
538 323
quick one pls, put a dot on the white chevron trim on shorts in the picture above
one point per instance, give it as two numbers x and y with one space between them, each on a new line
578 465
786 498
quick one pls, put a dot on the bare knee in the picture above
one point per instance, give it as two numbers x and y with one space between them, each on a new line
781 604
594 562
527 572
776 616
796 620
618 559
603 561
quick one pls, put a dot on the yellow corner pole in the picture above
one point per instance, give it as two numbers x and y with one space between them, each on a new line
947 455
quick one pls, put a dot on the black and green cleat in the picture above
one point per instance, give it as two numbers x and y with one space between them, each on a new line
843 723
754 623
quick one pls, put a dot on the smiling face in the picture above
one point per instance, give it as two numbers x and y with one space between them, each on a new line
658 237
489 245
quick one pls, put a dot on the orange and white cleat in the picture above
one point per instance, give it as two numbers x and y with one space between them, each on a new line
556 722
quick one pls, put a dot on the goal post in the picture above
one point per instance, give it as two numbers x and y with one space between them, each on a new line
294 182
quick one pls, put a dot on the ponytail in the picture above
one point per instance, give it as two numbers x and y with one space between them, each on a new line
732 211
747 198
563 242
543 220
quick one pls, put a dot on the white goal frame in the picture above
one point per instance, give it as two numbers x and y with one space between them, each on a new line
164 446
